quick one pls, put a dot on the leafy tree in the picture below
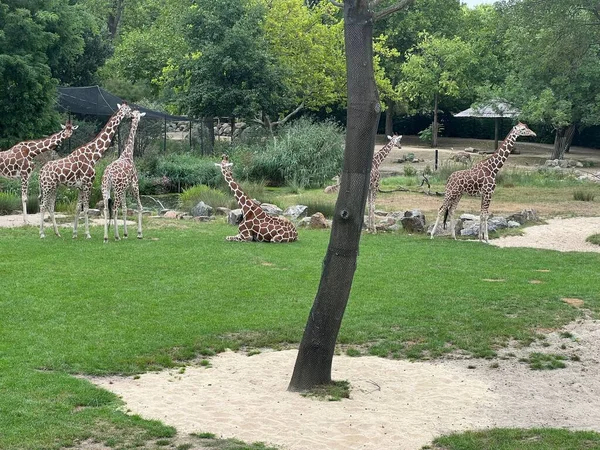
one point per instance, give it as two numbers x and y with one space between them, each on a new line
436 67
27 90
554 50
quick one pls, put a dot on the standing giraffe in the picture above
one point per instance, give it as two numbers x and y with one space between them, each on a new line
121 175
17 162
376 177
77 170
478 180
256 224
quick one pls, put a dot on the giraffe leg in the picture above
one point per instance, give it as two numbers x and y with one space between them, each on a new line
483 217
437 220
244 235
51 205
136 194
371 218
106 196
86 205
115 211
24 183
42 200
451 210
77 213
124 202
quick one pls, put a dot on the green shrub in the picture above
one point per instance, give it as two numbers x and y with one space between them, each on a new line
584 195
213 197
594 239
409 171
9 202
185 170
305 153
317 203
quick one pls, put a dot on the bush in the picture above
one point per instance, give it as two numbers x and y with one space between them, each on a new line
9 203
213 197
304 153
583 195
184 170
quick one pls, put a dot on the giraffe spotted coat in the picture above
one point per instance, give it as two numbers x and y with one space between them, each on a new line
256 224
17 162
478 180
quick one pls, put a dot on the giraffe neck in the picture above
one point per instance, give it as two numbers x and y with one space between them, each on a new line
50 143
94 150
381 155
497 160
128 152
240 196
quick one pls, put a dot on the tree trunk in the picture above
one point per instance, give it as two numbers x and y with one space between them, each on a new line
315 354
434 125
389 118
209 143
562 141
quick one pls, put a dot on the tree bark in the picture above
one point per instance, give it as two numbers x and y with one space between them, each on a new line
209 143
315 354
562 141
434 126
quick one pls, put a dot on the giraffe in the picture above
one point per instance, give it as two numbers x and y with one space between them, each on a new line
121 175
17 162
256 224
394 141
77 170
478 180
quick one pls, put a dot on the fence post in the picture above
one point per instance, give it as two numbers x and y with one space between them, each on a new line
435 167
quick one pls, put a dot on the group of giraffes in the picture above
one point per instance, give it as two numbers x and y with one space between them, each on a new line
78 170
478 180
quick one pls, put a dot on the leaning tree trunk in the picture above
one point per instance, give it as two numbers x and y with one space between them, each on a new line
389 118
315 354
562 141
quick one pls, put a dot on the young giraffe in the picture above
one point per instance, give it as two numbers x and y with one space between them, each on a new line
121 175
256 224
77 170
376 177
478 180
17 162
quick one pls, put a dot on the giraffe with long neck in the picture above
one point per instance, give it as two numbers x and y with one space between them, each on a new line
375 179
256 224
119 176
478 180
77 170
17 162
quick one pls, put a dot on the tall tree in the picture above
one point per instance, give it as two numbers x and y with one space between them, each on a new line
554 50
315 354
436 67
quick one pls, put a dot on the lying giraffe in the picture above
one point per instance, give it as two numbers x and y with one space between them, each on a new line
119 176
17 162
478 180
256 224
394 141
77 170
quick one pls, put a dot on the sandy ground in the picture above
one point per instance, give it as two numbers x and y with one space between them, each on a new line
394 404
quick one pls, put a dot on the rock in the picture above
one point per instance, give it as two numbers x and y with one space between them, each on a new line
172 214
221 210
202 209
235 217
296 212
498 223
461 157
318 220
526 215
469 217
513 224
271 209
413 221
551 163
93 212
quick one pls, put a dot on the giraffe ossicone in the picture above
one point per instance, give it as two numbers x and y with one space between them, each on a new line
478 180
77 170
375 178
256 224
17 161
120 176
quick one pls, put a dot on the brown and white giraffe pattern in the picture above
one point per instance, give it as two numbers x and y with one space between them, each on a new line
256 224
77 170
478 180
17 162
119 176
375 179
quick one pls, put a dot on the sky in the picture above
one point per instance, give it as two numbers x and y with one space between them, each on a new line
476 2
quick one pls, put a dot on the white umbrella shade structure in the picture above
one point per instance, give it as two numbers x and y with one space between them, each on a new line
494 110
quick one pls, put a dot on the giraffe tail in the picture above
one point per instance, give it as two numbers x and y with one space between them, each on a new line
111 202
446 216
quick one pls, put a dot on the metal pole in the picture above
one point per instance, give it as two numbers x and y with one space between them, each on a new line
191 146
435 167
165 138
496 120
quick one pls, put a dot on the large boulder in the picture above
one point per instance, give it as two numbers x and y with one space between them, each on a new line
296 212
202 210
271 209
526 215
413 221
235 217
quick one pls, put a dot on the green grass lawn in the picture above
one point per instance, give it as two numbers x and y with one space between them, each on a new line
82 307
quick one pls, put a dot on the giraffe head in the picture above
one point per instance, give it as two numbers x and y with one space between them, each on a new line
137 115
124 110
225 164
523 130
68 129
395 140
